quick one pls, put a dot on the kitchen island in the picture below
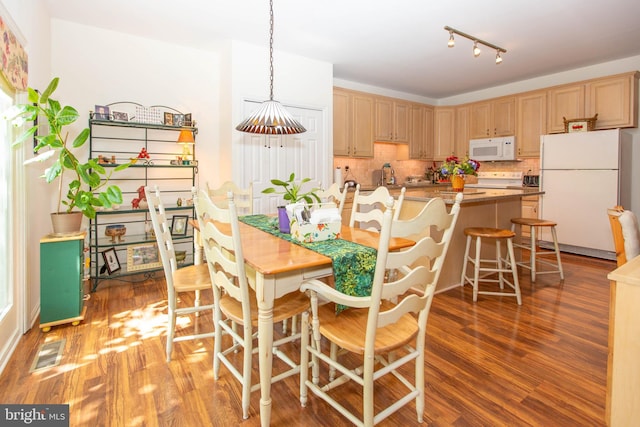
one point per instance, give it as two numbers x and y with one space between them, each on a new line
481 207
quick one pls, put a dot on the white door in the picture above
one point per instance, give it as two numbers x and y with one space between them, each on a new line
261 158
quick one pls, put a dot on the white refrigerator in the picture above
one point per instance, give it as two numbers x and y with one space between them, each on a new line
583 174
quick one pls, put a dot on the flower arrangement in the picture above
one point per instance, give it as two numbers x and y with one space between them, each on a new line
454 166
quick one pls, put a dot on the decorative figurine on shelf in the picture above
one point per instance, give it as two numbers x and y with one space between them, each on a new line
145 156
141 201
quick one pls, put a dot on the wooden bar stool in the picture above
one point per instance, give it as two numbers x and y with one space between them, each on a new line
532 247
500 264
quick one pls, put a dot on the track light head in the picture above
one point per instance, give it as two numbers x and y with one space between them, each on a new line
476 49
451 42
498 57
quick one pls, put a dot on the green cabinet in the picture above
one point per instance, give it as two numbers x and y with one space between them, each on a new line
61 280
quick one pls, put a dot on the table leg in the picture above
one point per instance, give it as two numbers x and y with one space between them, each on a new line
265 296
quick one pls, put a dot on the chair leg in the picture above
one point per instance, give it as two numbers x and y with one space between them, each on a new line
557 248
171 330
304 358
246 370
514 271
499 264
463 277
476 270
532 254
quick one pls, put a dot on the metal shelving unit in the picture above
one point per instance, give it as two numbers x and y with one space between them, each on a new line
135 252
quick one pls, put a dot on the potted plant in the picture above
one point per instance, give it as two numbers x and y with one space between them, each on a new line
88 188
456 169
292 190
294 195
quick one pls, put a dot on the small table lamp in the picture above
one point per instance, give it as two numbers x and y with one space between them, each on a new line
186 138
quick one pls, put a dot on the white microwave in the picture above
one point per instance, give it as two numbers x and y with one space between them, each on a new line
493 149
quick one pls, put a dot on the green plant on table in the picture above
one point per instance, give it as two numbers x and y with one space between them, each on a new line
89 187
292 190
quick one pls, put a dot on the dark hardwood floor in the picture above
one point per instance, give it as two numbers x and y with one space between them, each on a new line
490 363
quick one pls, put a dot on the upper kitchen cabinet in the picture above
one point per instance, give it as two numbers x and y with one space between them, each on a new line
614 99
495 117
392 120
421 132
444 133
462 124
564 101
531 122
353 114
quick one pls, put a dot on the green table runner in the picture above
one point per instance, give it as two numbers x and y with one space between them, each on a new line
353 264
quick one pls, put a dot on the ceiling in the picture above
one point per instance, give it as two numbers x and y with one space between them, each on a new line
399 45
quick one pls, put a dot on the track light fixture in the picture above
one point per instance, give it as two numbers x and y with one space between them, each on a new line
476 49
452 42
476 41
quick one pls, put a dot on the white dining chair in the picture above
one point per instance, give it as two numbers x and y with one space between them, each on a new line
385 330
367 209
235 302
242 197
192 278
626 234
334 195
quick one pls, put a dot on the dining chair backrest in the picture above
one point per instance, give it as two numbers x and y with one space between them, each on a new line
220 234
242 197
367 209
163 234
335 195
432 226
626 234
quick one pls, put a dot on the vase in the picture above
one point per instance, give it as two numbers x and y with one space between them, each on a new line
457 182
66 223
283 220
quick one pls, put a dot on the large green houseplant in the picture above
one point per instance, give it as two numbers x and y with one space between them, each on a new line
89 186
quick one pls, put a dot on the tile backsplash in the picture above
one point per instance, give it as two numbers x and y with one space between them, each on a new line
362 169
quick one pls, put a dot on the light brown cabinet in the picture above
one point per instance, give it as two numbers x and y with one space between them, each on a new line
493 118
564 102
613 99
353 115
444 133
462 125
531 122
392 120
529 210
623 375
421 133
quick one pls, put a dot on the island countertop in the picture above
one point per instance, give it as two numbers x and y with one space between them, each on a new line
471 195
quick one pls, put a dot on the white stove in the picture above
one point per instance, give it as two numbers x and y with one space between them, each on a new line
498 179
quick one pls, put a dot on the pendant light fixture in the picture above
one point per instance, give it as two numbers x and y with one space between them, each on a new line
271 118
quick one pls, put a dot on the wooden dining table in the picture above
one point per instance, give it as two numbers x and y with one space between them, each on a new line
281 266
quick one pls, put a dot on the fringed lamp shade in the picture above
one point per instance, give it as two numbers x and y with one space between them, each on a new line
271 119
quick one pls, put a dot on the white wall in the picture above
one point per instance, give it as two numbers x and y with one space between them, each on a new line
98 66
298 81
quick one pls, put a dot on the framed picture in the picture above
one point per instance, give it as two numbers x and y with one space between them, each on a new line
111 261
187 120
168 119
123 117
179 225
143 256
178 119
102 112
